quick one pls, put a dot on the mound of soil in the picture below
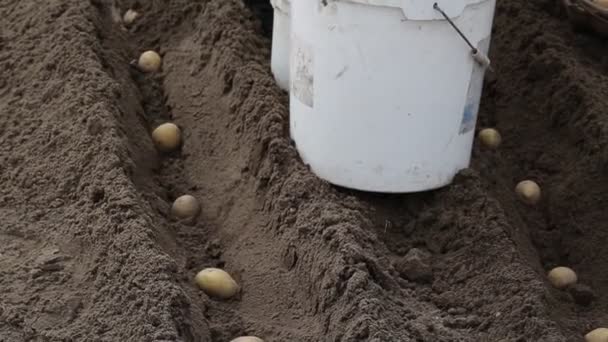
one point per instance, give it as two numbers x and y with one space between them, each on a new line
88 251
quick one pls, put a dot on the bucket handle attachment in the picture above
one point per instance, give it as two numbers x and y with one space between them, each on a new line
477 55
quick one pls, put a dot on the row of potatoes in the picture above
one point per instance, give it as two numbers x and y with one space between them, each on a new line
529 192
167 137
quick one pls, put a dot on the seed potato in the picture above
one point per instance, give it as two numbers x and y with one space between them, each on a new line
167 137
247 339
129 17
597 335
185 206
149 61
528 192
490 138
217 283
562 277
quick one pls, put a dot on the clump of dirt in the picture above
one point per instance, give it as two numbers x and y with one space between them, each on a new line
89 251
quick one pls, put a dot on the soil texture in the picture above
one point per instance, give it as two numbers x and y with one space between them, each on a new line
89 251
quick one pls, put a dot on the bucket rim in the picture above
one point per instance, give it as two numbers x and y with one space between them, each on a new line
420 9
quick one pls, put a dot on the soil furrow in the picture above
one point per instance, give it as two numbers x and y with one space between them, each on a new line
553 134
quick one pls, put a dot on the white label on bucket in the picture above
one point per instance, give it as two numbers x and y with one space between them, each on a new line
471 107
302 85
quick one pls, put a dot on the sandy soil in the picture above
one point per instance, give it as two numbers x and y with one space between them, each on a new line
88 251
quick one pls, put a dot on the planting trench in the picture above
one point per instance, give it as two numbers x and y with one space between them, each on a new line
88 252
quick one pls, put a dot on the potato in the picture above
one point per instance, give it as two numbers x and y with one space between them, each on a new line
129 17
562 277
597 335
528 192
167 137
247 339
185 206
490 137
217 283
149 61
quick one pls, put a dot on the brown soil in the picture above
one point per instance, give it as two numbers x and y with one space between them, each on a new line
88 252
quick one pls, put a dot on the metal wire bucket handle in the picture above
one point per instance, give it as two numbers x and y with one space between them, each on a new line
479 57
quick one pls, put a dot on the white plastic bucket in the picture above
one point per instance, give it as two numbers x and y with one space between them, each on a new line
385 93
280 43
